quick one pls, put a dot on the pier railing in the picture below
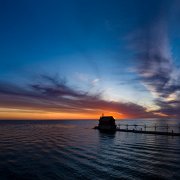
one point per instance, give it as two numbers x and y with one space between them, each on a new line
155 127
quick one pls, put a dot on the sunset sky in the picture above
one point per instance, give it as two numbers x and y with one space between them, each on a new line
77 59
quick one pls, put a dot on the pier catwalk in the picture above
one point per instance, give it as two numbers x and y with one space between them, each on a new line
143 129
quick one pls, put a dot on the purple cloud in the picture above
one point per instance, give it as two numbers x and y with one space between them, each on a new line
55 95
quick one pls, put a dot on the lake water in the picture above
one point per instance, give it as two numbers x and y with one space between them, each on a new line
73 150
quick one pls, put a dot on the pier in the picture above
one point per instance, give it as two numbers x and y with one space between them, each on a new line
153 129
107 124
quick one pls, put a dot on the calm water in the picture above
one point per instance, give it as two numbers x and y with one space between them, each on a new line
73 150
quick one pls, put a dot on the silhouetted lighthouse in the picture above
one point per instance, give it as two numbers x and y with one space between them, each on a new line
106 123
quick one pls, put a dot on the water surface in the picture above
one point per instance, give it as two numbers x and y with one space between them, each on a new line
73 150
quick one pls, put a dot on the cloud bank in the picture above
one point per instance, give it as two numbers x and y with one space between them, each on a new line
54 95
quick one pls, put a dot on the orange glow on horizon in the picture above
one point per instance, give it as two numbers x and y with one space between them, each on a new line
35 115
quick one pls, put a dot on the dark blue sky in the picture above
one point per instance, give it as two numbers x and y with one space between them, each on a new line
97 46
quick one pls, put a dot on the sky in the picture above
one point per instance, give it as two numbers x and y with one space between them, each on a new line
77 59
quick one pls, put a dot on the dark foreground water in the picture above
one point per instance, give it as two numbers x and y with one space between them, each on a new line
73 150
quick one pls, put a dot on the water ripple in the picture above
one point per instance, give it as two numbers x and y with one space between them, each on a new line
73 150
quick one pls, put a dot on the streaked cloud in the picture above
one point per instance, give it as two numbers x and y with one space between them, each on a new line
155 62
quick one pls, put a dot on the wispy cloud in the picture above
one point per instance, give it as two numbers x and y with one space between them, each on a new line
155 62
